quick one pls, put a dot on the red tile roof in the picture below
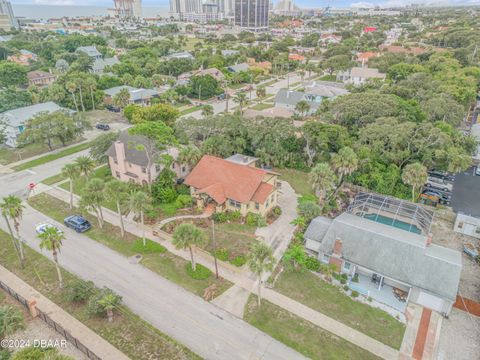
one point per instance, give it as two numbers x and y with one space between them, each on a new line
222 179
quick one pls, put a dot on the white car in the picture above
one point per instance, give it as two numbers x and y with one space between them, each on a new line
40 229
438 183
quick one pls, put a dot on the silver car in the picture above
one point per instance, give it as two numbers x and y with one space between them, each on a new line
438 183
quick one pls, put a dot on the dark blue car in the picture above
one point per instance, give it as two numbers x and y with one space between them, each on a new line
77 223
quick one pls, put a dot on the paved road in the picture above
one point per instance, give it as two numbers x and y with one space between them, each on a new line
203 327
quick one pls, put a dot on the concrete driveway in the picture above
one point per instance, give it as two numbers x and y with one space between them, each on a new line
206 329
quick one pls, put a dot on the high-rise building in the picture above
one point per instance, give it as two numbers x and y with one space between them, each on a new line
6 10
252 15
127 8
196 10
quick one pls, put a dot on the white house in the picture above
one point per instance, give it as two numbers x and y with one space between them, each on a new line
359 75
467 225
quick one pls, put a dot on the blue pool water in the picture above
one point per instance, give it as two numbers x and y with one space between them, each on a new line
396 223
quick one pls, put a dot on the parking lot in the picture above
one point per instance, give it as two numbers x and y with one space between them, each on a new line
466 193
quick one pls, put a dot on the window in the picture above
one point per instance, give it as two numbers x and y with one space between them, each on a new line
346 266
183 168
235 204
144 170
326 258
460 224
117 174
257 206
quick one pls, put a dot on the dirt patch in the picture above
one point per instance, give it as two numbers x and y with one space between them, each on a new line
443 234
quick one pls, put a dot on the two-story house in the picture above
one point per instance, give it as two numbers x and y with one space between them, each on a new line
233 184
129 162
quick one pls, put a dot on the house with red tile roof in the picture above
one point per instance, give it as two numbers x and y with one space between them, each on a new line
233 184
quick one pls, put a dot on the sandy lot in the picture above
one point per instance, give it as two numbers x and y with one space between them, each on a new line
443 234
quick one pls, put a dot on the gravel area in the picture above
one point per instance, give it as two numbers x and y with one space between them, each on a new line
459 337
443 234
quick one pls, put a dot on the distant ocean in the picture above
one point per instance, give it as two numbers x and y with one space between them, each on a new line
45 12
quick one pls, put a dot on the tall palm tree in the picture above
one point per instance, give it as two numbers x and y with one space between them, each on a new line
241 100
138 202
344 162
414 175
92 86
186 236
93 196
322 179
207 110
117 191
189 155
51 239
260 260
12 208
85 164
72 88
302 108
71 172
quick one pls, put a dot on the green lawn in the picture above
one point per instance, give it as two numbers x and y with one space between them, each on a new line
261 106
53 179
298 180
134 337
50 157
328 299
190 43
301 335
191 110
165 264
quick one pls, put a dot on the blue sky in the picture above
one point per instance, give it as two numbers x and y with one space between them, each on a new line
301 3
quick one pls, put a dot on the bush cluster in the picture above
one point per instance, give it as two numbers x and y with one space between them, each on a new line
79 290
239 260
255 220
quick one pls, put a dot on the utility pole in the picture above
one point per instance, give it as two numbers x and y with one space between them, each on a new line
214 248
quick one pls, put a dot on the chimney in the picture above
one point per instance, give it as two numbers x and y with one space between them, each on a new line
120 152
337 247
428 242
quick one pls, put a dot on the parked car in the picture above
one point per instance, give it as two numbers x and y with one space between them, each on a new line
438 183
103 127
443 198
112 108
477 171
441 174
77 223
41 228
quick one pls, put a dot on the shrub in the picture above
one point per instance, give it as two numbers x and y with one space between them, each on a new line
79 290
183 201
251 219
40 353
96 304
370 299
11 320
220 217
277 210
222 254
344 276
166 195
261 222
343 281
151 247
5 354
201 272
355 293
183 189
336 276
312 264
239 260
168 209
355 278
309 210
129 110
346 288
307 198
294 258
234 215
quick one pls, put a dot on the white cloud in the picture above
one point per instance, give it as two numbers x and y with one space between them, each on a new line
54 2
362 4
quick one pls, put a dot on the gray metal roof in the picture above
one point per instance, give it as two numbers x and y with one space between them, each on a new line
292 97
100 64
90 51
392 252
21 115
238 67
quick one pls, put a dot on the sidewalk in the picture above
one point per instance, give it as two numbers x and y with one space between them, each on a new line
243 278
90 340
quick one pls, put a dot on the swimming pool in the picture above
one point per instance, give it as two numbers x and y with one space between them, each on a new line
392 222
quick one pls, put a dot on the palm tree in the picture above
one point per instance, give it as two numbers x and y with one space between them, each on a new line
414 175
109 302
241 100
302 107
51 240
138 202
344 162
207 110
71 172
260 260
261 91
189 155
122 98
12 208
92 86
85 165
72 88
186 236
322 179
93 196
117 191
